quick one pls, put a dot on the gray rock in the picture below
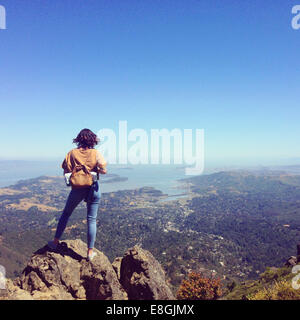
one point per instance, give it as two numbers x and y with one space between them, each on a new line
142 276
66 274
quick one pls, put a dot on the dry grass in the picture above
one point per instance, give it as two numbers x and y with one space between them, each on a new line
27 203
280 290
9 192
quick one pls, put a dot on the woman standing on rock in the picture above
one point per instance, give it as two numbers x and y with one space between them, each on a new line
80 163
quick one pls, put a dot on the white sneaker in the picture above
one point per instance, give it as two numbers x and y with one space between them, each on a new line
90 257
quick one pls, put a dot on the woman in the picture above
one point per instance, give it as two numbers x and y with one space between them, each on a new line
84 154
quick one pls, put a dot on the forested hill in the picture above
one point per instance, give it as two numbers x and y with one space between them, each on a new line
232 224
272 183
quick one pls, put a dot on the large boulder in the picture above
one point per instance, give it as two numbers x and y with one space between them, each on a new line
66 274
142 276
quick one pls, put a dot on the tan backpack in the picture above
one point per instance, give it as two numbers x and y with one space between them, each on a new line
80 167
81 177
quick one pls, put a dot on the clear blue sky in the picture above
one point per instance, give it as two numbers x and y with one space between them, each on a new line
229 67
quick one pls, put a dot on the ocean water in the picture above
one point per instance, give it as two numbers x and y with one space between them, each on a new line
161 177
11 171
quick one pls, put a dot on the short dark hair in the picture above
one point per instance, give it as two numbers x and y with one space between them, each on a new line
86 139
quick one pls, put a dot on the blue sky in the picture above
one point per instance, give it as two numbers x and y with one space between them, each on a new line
229 67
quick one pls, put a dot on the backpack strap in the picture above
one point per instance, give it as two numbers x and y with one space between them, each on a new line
80 167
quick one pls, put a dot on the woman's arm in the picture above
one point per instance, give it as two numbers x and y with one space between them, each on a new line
101 163
64 166
66 163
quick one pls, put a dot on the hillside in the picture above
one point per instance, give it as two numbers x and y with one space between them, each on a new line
232 224
273 284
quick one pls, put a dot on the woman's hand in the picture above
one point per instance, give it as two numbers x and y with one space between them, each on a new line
102 169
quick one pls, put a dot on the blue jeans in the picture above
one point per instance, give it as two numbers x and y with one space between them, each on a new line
91 196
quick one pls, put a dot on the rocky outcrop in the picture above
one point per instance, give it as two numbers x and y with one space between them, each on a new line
142 276
67 275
